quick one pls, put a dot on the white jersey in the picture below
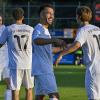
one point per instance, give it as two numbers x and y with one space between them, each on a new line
19 41
89 38
42 62
3 52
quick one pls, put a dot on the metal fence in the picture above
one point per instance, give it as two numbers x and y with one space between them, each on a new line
64 13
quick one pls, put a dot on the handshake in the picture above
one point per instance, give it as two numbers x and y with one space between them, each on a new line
59 42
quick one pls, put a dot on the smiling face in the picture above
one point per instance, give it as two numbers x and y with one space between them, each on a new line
47 16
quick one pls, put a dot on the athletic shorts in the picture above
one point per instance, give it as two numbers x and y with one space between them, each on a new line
92 85
4 73
45 84
21 76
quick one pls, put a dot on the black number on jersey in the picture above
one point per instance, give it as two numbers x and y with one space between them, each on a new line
19 41
97 39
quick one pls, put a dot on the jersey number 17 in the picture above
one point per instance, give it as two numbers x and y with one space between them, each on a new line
19 38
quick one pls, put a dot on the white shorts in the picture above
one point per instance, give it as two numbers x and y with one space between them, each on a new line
4 73
21 76
45 84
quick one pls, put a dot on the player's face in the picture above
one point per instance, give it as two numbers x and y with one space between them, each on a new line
0 20
47 15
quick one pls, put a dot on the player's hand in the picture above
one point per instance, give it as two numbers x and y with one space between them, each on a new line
59 42
58 60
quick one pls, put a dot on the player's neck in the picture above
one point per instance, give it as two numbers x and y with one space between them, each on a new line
19 22
44 24
85 23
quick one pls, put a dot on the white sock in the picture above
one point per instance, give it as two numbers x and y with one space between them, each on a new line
53 99
8 94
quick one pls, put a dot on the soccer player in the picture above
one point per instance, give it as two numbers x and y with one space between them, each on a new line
4 71
19 40
42 67
88 37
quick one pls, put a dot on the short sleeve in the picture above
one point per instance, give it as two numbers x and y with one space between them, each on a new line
35 34
4 36
81 36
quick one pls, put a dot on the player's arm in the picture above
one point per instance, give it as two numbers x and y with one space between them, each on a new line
3 37
55 41
57 49
42 41
76 45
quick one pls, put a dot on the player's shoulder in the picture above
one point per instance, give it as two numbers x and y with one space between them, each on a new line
94 26
10 26
39 27
28 27
90 26
3 26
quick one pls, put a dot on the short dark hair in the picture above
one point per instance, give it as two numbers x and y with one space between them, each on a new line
84 12
45 6
18 13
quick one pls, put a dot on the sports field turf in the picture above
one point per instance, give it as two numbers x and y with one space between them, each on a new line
70 80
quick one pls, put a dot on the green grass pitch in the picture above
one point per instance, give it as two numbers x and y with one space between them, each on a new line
70 80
